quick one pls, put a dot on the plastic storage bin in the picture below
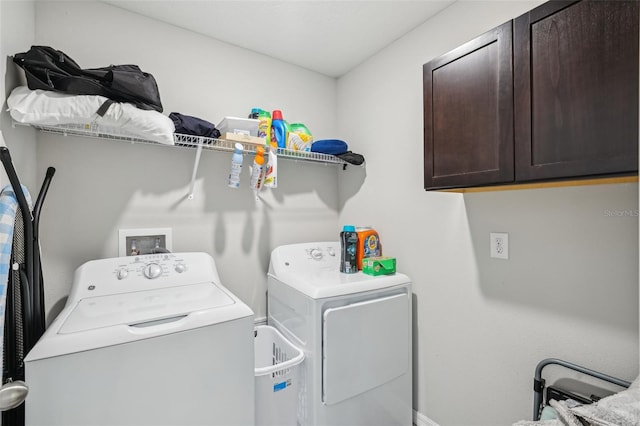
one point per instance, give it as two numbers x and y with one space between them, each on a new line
240 126
277 365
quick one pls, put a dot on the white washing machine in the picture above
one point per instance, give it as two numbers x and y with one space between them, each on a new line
145 340
355 331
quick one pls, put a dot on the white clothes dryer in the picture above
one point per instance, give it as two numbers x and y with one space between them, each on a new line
355 331
145 340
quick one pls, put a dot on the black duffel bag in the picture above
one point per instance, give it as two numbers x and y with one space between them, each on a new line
50 69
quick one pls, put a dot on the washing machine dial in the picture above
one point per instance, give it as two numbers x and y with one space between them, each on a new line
180 268
122 273
316 254
152 270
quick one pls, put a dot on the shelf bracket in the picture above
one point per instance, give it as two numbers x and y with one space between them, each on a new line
195 169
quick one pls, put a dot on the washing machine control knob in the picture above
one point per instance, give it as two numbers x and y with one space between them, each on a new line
122 273
152 270
180 268
331 251
316 254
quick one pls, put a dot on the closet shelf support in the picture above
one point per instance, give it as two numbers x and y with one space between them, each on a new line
195 170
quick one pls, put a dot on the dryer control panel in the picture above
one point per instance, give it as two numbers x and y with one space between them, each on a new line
326 251
314 270
308 255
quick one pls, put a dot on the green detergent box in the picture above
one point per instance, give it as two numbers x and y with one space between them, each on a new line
381 265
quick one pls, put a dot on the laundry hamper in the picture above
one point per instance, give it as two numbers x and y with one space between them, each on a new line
277 365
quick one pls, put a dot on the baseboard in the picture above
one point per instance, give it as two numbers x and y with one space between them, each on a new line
420 419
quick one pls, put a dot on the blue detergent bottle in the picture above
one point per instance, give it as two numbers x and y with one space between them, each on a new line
278 130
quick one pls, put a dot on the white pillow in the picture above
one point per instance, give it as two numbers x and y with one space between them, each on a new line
53 108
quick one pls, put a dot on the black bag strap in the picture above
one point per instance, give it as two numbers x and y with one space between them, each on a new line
104 107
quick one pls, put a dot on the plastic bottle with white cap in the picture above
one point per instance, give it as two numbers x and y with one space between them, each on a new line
256 171
236 167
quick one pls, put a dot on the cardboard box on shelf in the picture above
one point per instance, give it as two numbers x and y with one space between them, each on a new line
245 139
381 265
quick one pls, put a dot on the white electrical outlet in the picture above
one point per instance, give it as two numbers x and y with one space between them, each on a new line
499 245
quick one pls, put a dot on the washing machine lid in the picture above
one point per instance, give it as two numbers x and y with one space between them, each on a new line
314 270
103 321
143 307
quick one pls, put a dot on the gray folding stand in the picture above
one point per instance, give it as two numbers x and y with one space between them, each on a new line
539 382
24 314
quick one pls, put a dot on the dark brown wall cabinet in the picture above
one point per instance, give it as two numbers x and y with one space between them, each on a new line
468 107
563 105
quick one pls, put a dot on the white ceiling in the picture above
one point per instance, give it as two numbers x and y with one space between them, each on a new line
330 36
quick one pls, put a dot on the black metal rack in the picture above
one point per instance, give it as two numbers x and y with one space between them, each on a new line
539 382
25 310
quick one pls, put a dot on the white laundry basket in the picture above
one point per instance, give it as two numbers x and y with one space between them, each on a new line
277 365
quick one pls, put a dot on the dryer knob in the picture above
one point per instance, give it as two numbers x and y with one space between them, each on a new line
316 254
180 268
122 273
152 270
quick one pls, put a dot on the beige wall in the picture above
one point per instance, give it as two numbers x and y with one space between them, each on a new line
17 22
102 186
570 287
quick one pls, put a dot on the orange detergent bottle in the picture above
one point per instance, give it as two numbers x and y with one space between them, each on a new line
368 245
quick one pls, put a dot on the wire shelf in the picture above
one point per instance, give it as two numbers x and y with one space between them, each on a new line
93 130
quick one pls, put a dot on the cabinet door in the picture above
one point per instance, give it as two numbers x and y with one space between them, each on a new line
468 113
576 89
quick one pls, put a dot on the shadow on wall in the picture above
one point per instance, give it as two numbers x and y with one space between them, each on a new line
415 332
304 190
108 175
573 251
12 78
350 181
100 182
22 146
55 310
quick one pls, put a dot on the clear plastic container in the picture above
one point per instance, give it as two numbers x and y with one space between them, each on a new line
239 126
